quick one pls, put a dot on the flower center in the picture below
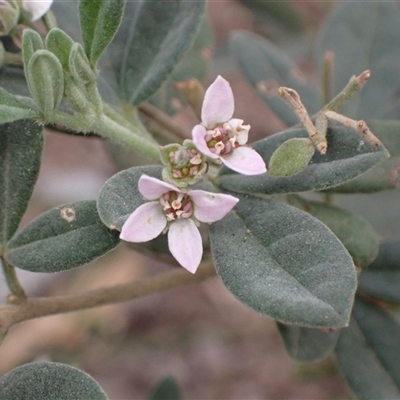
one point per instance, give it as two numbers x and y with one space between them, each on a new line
185 163
176 205
221 141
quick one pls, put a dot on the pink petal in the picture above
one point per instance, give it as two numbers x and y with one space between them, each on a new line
184 242
246 161
211 207
37 7
218 103
198 134
144 224
152 188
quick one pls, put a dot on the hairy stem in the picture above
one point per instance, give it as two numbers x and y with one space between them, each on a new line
42 306
354 85
108 128
13 283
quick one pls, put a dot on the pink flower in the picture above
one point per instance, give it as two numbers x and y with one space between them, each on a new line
37 8
222 137
179 213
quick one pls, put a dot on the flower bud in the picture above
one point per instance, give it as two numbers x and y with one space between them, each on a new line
185 165
9 15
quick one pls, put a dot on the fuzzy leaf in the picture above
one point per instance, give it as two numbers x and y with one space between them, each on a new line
356 233
153 37
385 175
372 44
50 381
308 344
20 155
45 80
119 196
12 109
194 64
382 278
31 42
291 157
60 44
284 263
99 21
267 68
367 353
348 156
64 237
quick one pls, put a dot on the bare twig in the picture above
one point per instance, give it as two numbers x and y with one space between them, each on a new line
164 120
360 126
354 85
293 99
39 307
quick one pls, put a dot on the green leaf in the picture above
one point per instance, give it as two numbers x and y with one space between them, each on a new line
284 263
194 64
60 44
153 37
45 80
64 237
79 65
348 156
99 20
267 68
308 344
31 42
20 155
285 14
368 351
11 109
119 196
372 44
382 278
50 381
356 233
166 389
385 175
291 157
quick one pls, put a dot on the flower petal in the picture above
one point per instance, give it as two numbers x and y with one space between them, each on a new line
37 7
152 188
184 242
218 103
211 207
144 224
198 134
246 161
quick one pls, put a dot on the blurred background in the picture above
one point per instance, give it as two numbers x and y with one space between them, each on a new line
211 344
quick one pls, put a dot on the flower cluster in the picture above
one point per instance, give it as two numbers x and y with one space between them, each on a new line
179 211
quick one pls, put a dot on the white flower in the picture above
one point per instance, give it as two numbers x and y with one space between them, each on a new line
37 8
222 137
178 212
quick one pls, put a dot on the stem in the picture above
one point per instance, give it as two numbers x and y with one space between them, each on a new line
327 76
354 85
42 306
163 119
13 283
107 128
293 99
13 59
